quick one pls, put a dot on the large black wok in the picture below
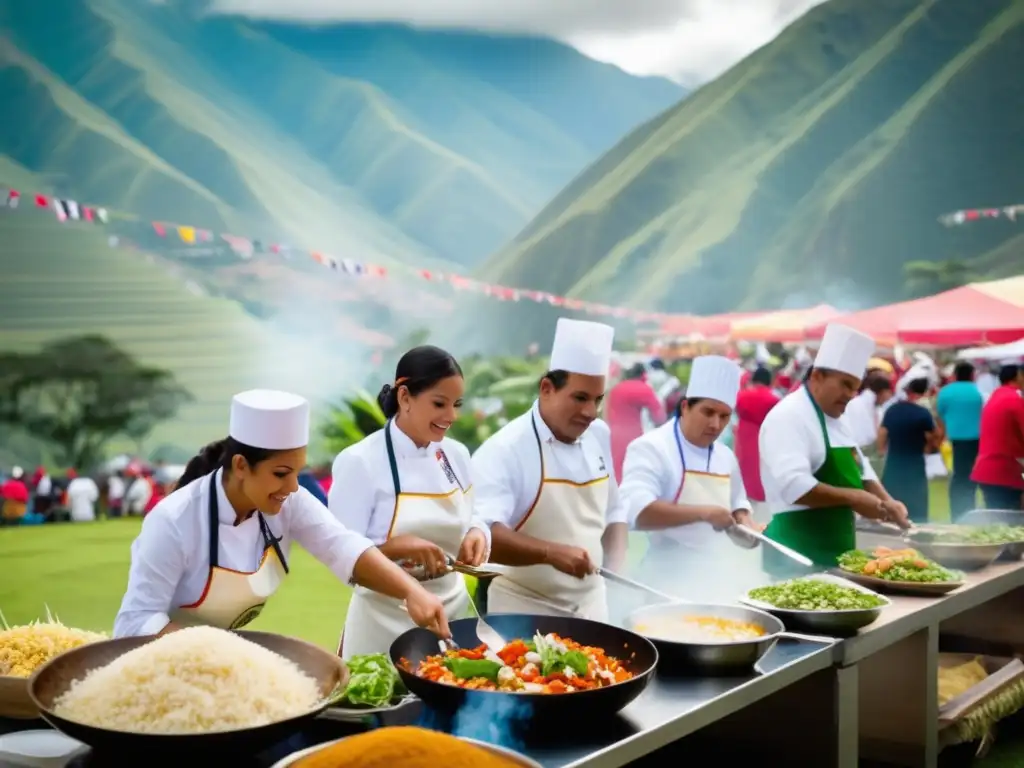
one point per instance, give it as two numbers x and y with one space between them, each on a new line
637 653
53 679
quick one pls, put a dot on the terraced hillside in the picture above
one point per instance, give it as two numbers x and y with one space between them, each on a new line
220 122
64 281
812 171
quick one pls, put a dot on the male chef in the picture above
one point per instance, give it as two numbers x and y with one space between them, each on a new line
544 482
815 477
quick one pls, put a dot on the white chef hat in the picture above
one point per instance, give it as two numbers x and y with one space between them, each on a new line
844 349
714 377
266 418
582 347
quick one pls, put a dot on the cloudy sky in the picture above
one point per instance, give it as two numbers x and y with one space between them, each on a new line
691 41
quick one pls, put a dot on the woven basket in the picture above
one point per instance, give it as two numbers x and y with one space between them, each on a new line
14 698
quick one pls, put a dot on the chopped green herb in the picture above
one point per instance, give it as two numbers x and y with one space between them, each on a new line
814 595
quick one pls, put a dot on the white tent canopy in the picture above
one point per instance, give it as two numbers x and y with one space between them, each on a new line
1009 351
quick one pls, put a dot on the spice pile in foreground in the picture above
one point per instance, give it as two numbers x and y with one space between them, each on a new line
403 746
546 664
815 595
897 565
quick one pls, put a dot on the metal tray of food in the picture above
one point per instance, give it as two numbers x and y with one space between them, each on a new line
826 622
963 556
911 588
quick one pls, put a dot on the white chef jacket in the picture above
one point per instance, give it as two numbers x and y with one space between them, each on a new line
793 449
507 468
862 416
171 555
362 494
652 470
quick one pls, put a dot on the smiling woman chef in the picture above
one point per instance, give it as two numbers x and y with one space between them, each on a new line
217 548
407 487
815 477
543 482
686 488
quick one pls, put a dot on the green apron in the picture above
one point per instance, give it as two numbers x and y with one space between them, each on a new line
823 533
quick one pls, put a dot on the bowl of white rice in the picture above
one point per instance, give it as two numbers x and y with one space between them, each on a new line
198 689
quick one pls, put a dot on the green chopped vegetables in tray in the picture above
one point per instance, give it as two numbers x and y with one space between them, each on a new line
373 682
814 595
907 565
973 534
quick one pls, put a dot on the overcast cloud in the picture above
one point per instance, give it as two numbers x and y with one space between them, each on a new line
691 41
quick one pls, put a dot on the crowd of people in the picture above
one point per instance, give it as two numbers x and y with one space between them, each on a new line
916 423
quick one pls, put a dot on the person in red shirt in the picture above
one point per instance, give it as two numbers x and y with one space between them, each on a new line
752 405
13 497
624 409
999 468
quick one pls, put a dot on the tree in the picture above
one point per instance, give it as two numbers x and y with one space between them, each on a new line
926 278
77 394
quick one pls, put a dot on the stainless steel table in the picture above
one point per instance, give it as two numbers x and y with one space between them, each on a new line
670 709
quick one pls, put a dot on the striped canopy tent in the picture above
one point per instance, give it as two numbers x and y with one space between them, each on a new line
976 314
788 325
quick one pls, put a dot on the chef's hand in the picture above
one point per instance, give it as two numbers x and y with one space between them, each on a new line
720 518
896 512
574 561
418 551
744 520
474 548
427 611
868 505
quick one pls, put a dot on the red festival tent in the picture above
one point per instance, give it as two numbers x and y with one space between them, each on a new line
980 313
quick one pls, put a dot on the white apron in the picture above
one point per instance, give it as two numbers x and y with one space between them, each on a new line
695 561
564 512
232 599
374 621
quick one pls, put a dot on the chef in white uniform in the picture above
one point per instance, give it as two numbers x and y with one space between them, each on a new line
684 487
815 477
214 551
407 487
544 483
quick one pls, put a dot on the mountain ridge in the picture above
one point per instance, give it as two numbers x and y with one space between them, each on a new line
790 172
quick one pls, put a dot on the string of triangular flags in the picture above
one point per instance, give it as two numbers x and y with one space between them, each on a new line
1010 212
246 247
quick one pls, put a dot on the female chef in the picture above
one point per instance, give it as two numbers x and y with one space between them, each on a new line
686 488
217 548
815 477
407 488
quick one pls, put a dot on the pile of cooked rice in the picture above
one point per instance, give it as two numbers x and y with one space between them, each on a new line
196 680
25 648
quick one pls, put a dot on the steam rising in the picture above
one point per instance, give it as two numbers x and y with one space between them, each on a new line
720 575
491 718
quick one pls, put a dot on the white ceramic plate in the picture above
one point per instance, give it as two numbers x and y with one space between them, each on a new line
38 748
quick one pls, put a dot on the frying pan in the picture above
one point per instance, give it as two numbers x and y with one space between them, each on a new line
53 679
677 656
637 653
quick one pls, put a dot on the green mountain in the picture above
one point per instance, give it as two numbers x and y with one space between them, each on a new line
813 170
369 141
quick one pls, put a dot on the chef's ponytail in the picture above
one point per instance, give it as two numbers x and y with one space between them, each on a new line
420 369
218 455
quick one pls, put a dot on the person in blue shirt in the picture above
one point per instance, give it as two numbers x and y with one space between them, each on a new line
959 410
308 481
906 434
